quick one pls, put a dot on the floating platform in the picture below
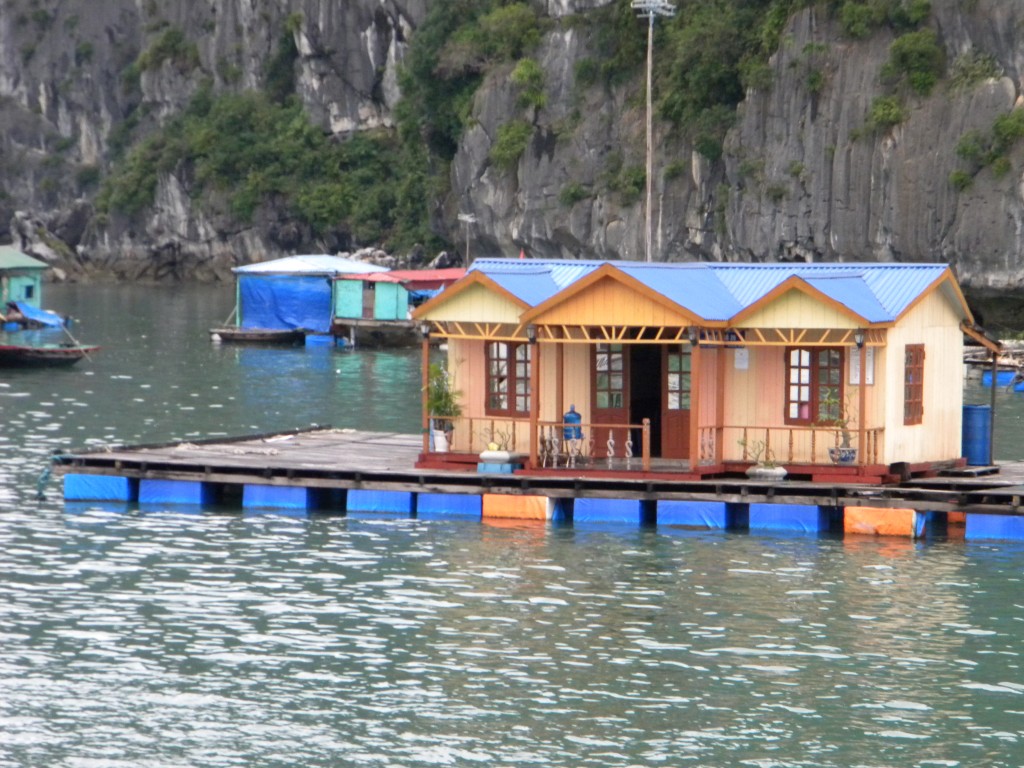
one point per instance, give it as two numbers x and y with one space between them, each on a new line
342 470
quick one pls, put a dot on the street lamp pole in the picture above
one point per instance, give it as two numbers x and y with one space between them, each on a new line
650 9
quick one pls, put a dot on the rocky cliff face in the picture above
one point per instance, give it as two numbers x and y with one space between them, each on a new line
805 172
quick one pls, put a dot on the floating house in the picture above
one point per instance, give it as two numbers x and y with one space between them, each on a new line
700 369
377 306
21 290
21 277
291 293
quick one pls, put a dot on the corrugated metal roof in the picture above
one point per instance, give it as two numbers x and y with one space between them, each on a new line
311 264
692 286
717 291
854 294
12 258
534 281
411 276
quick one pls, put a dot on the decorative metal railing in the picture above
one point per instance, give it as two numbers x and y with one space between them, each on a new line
566 444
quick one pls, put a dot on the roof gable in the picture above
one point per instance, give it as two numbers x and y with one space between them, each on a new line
609 296
476 292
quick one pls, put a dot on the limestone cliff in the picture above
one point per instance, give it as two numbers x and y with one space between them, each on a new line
807 171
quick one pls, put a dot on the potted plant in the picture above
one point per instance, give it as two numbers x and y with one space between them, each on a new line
442 405
765 467
837 414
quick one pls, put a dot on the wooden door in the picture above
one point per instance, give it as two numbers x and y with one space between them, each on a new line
609 405
369 300
675 402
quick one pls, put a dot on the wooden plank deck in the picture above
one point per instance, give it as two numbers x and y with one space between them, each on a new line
345 459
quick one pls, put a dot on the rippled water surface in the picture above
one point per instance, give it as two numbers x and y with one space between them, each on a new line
172 637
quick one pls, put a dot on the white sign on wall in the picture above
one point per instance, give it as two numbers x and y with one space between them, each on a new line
741 359
869 363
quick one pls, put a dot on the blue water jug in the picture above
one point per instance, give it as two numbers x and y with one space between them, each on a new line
572 429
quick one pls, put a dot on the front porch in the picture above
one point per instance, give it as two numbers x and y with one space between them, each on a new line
570 449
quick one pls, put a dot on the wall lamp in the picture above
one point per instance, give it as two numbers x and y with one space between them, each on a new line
531 333
694 333
425 329
858 338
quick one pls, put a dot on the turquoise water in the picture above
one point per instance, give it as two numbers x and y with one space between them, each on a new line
174 637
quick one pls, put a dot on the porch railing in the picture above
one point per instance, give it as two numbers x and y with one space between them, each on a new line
628 445
786 444
563 444
623 443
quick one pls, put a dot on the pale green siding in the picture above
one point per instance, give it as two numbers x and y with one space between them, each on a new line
391 302
348 299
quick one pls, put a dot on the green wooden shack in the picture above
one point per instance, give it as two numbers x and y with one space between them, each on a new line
21 277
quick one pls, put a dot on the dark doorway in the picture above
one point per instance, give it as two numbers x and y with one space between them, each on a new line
645 394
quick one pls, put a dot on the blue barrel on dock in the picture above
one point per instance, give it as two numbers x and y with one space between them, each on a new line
976 435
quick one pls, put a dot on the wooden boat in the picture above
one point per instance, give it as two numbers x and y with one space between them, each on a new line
24 355
236 335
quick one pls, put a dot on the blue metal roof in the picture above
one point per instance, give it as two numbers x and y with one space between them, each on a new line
717 291
532 281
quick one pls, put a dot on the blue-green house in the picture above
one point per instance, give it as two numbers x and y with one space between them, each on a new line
380 305
21 277
388 296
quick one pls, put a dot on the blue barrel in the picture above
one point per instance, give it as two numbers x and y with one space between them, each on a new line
976 435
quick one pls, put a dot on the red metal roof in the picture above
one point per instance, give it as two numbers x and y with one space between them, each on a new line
424 279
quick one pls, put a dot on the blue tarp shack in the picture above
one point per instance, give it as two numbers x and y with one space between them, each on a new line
293 292
21 277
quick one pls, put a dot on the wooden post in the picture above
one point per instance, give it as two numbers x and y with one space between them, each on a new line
534 401
646 445
695 405
862 431
559 380
992 409
719 408
426 386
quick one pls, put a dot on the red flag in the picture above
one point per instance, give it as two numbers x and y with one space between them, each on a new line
522 254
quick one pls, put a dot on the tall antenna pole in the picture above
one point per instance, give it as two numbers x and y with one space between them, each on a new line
650 9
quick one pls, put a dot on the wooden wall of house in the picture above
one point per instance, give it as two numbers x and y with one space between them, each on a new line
797 309
348 298
390 302
609 302
934 323
477 304
22 287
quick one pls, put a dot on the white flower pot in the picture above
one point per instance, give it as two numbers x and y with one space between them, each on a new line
770 474
440 441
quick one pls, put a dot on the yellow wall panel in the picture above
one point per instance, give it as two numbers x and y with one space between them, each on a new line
795 309
609 302
934 323
477 304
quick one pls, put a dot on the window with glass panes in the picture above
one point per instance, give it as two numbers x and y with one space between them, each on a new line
610 379
913 384
508 378
814 384
678 383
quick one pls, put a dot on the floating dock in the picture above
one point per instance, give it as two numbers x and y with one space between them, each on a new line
349 471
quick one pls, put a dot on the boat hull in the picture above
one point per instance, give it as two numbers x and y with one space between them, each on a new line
50 355
232 335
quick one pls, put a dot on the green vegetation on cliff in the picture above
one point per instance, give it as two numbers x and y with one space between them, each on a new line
239 152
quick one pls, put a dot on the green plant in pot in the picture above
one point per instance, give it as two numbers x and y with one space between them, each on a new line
766 466
836 413
443 405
